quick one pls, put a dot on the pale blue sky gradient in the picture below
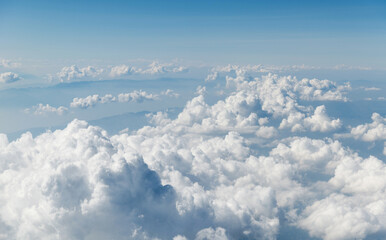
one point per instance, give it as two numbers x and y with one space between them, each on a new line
212 32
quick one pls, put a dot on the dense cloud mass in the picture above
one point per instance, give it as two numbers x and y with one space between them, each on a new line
240 168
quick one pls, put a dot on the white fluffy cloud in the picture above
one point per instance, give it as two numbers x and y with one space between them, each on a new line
318 122
371 131
357 205
92 100
122 70
160 68
74 72
260 68
225 170
153 68
75 184
9 77
136 96
170 92
42 109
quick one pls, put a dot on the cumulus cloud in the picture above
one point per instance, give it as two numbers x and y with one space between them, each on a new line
224 170
153 68
266 132
201 90
215 72
212 76
136 96
210 233
160 68
371 131
74 72
122 70
42 109
319 121
75 183
245 109
9 77
171 93
92 100
357 206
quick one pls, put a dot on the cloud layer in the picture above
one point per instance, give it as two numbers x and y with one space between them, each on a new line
243 167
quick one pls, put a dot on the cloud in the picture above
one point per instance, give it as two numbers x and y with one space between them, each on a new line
74 183
152 69
220 170
161 68
371 89
201 90
321 122
158 119
136 96
92 100
347 67
210 233
74 72
371 131
217 71
9 64
122 70
212 76
170 93
357 208
266 132
9 77
42 109
384 148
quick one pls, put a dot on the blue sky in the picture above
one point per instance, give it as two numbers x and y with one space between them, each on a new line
318 33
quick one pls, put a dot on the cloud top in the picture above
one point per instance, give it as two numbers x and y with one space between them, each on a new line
242 167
